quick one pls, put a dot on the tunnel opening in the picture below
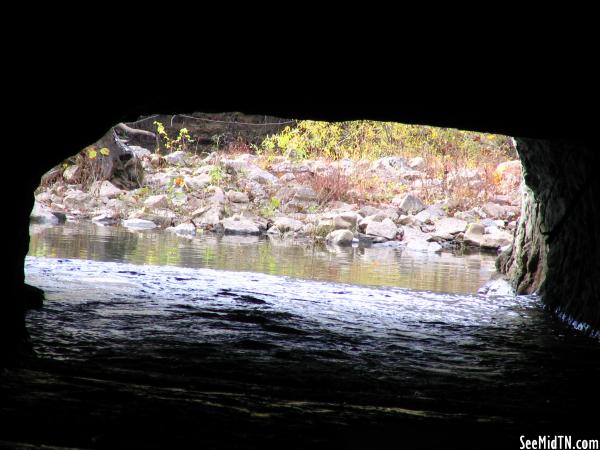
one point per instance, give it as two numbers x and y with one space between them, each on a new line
363 356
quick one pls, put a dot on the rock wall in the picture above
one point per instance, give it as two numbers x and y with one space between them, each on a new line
556 252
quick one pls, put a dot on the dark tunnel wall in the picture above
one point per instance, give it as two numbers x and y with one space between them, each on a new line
73 111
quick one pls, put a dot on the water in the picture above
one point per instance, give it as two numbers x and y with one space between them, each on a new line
357 343
377 265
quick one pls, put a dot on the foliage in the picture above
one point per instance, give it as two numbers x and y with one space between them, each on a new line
269 209
372 139
216 174
181 142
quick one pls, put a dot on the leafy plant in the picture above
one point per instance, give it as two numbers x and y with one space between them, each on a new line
181 142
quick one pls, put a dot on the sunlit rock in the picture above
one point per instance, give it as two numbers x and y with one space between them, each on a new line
139 224
340 237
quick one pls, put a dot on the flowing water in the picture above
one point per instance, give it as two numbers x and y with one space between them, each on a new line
292 335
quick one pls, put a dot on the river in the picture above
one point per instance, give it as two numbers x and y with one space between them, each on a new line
295 345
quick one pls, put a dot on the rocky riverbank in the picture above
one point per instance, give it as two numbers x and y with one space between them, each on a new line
388 201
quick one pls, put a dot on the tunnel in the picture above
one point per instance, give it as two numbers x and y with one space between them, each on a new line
556 249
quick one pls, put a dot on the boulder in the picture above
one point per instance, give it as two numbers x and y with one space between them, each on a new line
259 175
157 201
496 240
450 225
209 216
390 163
72 173
474 234
197 182
499 286
418 245
430 214
176 158
386 229
109 190
409 203
139 224
234 225
416 163
76 199
140 152
285 224
340 237
237 197
494 210
105 218
305 193
184 229
41 214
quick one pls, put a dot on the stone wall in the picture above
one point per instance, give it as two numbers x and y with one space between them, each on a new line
556 252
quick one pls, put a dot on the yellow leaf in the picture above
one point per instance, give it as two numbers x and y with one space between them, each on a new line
104 151
92 154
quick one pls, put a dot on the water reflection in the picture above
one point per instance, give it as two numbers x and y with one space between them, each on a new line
384 266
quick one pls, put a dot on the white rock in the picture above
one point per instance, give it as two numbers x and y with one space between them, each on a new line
105 219
76 199
340 237
409 203
41 214
71 173
450 225
176 158
285 224
422 246
139 224
109 190
241 226
386 229
197 182
157 201
416 163
237 197
185 229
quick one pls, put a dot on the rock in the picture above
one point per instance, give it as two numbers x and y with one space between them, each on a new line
76 199
430 214
176 158
341 223
42 215
474 234
422 246
386 229
305 193
340 237
237 197
499 286
139 152
468 216
390 163
239 226
416 163
139 224
108 190
494 210
209 216
367 210
184 229
197 182
261 176
406 220
157 201
218 196
450 225
368 240
105 218
287 177
409 203
496 240
72 174
285 224
508 175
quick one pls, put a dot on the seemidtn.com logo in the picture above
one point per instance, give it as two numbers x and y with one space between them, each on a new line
558 443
